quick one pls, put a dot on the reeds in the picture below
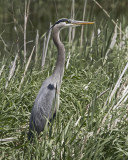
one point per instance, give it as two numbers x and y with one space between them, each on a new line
26 67
91 122
26 15
45 45
71 34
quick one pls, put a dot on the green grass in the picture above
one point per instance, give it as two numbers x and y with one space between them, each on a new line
79 130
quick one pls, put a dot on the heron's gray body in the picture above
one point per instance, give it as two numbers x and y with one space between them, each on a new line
47 99
45 105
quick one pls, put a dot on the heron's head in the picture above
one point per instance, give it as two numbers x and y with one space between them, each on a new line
64 23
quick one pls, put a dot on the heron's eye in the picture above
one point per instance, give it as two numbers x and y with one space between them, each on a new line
68 22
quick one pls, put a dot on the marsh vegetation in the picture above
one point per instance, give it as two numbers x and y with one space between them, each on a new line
92 121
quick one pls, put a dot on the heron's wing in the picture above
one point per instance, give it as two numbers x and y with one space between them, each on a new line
45 105
47 96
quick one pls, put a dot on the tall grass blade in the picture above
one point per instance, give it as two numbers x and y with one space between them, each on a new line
118 83
12 70
8 139
45 48
82 28
2 68
71 33
113 42
36 46
73 17
43 54
26 14
26 68
122 100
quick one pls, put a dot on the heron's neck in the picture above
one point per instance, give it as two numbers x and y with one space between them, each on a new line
59 69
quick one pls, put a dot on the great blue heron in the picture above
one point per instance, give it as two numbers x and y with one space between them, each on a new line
47 100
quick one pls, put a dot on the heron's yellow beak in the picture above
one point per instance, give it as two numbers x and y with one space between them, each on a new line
81 22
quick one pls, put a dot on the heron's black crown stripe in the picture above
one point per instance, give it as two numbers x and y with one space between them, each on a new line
50 86
63 20
59 21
